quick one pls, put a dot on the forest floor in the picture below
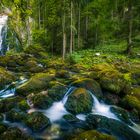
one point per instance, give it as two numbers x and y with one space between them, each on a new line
106 71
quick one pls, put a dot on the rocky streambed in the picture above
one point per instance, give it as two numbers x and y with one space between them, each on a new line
63 102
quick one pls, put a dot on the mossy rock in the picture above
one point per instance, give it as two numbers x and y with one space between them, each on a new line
112 99
3 128
15 115
57 92
38 82
41 100
131 102
6 77
136 92
14 133
121 114
70 118
93 135
9 103
1 117
79 101
23 105
88 84
37 121
62 74
111 79
32 66
111 126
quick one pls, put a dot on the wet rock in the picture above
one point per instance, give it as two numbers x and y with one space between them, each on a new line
37 121
70 118
62 74
79 101
57 92
15 115
22 105
14 133
3 128
93 135
9 103
6 77
38 82
111 79
131 102
41 100
113 126
121 114
88 84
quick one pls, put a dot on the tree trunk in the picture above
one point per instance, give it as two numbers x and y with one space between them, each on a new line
64 33
130 22
86 29
71 34
39 16
79 24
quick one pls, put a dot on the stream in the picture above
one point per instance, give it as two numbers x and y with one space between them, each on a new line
56 112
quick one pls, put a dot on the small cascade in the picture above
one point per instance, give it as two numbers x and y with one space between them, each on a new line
9 90
57 110
102 109
3 32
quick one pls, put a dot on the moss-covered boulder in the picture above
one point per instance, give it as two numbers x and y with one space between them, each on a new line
14 133
111 126
3 128
57 92
88 84
131 102
9 103
6 77
37 121
111 79
62 74
21 63
121 114
15 115
33 66
93 135
38 82
41 100
23 105
79 101
70 118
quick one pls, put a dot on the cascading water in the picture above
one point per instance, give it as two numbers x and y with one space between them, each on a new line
9 90
3 32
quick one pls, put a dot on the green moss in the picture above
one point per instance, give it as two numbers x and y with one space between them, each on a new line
79 101
23 105
89 84
9 103
57 92
14 133
15 115
38 82
6 77
41 100
132 102
93 135
37 121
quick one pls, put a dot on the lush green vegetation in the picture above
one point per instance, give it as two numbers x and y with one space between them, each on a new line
92 46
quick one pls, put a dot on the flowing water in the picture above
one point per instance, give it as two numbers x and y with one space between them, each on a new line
56 112
3 31
9 90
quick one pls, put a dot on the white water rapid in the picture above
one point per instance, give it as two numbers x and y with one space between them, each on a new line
9 90
3 29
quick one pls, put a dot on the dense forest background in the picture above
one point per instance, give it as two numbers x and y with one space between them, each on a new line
63 26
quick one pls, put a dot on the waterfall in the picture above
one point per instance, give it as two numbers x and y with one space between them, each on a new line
3 32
